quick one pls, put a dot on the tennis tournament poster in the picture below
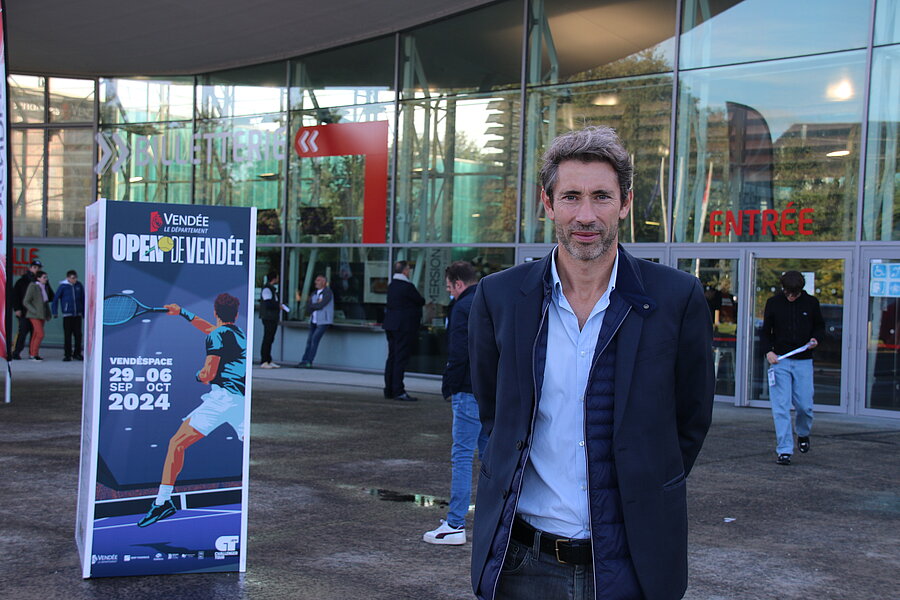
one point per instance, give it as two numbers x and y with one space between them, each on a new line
166 407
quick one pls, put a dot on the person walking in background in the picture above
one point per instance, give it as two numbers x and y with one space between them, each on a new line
402 317
269 313
792 320
37 309
69 301
593 371
456 385
18 297
320 307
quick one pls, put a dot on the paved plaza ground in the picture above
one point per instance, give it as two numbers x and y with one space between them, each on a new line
343 483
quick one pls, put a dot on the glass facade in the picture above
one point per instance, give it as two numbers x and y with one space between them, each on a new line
425 145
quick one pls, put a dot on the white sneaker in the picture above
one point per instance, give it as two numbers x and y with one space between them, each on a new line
274 365
265 365
445 534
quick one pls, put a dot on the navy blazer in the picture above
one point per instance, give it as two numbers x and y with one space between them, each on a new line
403 311
664 386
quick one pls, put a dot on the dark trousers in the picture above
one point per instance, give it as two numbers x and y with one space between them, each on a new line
72 332
269 329
24 331
400 345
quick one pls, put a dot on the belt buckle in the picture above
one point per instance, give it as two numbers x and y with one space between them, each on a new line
556 547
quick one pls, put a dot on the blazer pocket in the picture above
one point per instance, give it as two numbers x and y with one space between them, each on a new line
657 350
484 472
674 483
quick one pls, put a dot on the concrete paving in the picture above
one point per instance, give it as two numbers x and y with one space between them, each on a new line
344 483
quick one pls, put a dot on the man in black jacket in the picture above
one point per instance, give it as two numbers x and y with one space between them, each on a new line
461 282
18 296
269 312
791 320
402 317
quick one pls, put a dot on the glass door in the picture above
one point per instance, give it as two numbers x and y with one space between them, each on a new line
719 273
881 288
826 276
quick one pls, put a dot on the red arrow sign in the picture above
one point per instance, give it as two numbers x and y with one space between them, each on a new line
369 139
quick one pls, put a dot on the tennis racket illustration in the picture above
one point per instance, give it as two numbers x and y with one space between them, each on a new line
119 309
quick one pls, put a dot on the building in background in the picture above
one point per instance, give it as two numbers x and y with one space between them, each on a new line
765 138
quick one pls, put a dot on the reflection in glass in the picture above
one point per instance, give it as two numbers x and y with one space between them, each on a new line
69 180
26 151
160 165
358 277
358 74
255 90
721 32
27 103
428 264
328 193
769 152
486 55
887 22
719 277
71 100
883 360
457 170
825 281
882 201
146 100
239 162
581 40
639 109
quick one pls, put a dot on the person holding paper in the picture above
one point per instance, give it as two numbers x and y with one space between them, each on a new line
792 326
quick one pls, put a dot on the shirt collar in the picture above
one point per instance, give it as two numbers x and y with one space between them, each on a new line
557 284
401 276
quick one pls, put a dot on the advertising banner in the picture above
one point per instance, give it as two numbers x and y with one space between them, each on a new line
166 417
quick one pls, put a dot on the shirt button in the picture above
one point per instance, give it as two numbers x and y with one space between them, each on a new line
584 487
583 352
581 443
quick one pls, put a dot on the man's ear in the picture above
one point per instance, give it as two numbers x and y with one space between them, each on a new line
548 203
626 205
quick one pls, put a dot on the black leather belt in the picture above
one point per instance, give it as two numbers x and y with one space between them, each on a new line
565 550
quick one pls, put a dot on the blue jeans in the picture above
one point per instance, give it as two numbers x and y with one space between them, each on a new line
466 433
793 386
312 341
529 574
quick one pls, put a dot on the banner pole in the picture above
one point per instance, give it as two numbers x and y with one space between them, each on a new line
7 389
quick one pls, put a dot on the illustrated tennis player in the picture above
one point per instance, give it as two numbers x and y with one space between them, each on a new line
224 369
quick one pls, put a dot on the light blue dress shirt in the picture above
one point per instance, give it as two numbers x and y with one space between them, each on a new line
554 495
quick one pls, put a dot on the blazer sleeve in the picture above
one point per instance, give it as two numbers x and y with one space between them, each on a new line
694 377
483 358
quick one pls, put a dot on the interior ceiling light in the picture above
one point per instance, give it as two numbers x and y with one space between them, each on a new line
840 91
838 153
476 215
605 100
135 179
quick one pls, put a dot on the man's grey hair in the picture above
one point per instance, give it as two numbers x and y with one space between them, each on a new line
590 144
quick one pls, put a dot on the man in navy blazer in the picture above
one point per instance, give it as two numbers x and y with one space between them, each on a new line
402 317
594 377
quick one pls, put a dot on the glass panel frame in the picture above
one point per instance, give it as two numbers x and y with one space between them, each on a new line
724 32
881 207
621 104
150 100
760 146
458 170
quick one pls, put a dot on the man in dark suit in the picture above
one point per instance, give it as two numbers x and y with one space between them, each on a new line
402 317
593 372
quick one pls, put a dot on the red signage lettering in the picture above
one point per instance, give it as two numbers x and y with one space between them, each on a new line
789 221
